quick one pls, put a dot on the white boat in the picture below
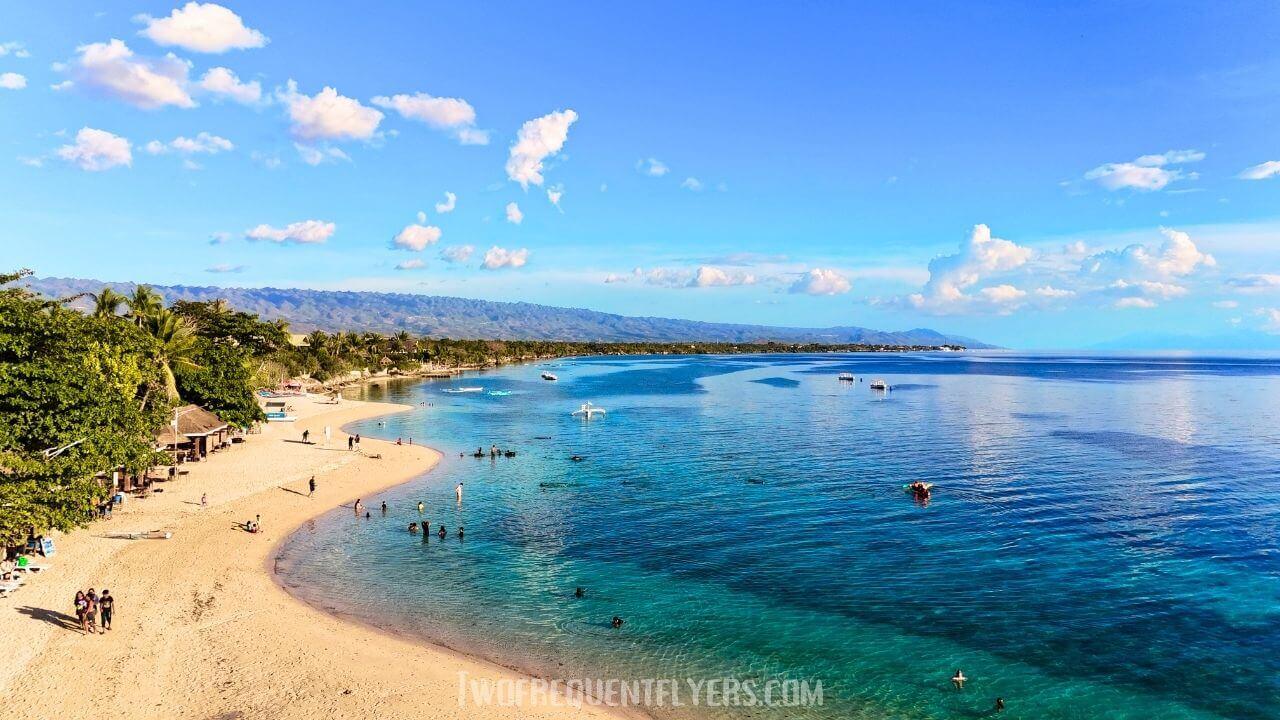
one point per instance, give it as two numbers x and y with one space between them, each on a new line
879 384
588 411
464 390
549 376
846 377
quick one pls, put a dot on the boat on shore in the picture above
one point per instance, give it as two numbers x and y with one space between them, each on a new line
464 390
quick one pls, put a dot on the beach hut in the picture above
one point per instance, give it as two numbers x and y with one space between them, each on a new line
193 431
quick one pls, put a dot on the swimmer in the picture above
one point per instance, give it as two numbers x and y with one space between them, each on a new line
616 622
459 532
421 507
384 507
413 528
579 592
368 515
458 491
999 704
442 533
958 679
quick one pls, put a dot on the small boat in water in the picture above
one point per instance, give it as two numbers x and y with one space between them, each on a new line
588 411
549 376
846 377
464 390
879 384
499 393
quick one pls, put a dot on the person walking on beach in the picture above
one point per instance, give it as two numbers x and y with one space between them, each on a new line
91 610
82 611
458 491
204 499
357 439
306 436
311 486
106 608
351 443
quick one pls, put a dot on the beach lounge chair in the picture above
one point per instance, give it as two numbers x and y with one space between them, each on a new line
31 567
8 586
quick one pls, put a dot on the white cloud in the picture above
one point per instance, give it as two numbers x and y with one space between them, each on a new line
1271 317
223 83
439 112
514 216
709 276
554 194
1134 302
457 253
416 237
422 218
450 202
12 81
1261 171
96 150
312 155
1002 294
219 238
414 264
653 167
32 161
496 257
1254 282
1051 292
822 281
692 183
13 48
949 275
1226 304
225 268
204 143
306 232
537 140
1149 172
1178 256
612 278
201 27
328 115
112 69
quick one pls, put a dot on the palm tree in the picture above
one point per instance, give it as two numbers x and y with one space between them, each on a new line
317 340
106 304
144 303
176 345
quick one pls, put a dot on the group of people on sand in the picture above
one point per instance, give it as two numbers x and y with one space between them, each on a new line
94 611
353 442
253 526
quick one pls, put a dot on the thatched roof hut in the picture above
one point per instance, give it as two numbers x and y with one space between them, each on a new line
194 425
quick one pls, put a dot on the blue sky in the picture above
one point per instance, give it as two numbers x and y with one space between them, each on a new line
1032 176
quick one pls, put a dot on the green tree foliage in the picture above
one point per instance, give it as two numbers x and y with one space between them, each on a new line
69 379
221 381
175 345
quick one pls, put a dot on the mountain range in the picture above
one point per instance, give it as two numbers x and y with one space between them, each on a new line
439 316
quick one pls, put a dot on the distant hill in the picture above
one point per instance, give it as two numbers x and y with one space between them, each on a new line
453 317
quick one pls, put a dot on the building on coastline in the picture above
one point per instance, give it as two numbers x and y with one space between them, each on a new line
193 433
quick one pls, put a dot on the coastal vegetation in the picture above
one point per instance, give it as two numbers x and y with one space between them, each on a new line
83 393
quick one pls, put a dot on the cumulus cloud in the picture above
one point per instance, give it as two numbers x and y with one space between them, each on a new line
225 268
12 81
306 232
653 167
1261 171
693 184
1146 173
554 194
704 276
1053 293
13 48
438 112
1226 304
457 253
1002 294
450 202
950 275
514 216
201 27
497 257
537 140
112 69
612 278
709 276
313 155
822 281
223 83
96 150
414 264
328 115
416 237
1178 256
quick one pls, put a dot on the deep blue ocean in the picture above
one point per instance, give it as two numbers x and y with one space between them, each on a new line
1103 540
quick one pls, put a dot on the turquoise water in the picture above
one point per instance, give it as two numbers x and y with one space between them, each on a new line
1102 541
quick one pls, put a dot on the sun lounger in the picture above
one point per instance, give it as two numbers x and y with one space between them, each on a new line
31 567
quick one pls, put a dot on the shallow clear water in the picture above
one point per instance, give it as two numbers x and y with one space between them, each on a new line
1102 541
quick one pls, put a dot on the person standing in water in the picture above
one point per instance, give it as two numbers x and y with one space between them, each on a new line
421 507
958 679
458 491
999 704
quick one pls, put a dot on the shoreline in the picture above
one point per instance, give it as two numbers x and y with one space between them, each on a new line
205 628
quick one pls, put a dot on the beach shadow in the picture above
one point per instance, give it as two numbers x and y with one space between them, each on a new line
53 617
299 442
295 492
189 502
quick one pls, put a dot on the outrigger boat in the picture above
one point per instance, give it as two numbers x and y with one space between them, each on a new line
587 411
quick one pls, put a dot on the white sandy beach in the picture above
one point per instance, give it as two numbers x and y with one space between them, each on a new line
202 630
